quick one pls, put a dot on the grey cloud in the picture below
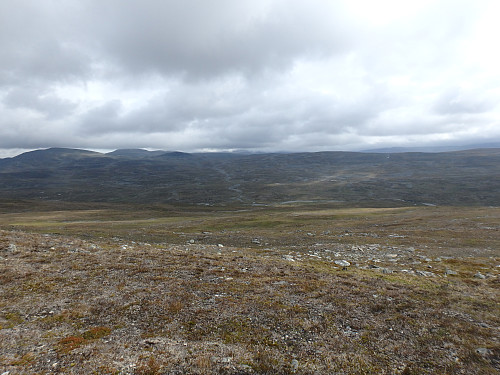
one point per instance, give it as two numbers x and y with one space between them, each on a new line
46 103
102 119
205 39
41 42
263 74
455 101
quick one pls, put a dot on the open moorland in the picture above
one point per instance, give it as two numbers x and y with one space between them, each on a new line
355 179
295 288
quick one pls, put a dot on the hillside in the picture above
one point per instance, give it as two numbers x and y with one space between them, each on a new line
286 290
459 178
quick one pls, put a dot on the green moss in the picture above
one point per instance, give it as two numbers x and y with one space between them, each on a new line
96 333
13 319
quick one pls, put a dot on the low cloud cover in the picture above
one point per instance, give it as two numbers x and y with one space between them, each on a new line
270 75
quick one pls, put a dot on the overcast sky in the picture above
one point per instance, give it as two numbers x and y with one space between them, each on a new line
266 75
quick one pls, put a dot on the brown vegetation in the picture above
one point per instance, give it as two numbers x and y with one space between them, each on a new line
269 300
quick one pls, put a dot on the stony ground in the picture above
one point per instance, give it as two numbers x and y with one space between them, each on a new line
113 306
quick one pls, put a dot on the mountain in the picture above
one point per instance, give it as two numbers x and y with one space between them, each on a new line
470 177
135 153
435 148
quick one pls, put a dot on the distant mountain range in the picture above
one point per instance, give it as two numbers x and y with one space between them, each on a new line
435 148
470 177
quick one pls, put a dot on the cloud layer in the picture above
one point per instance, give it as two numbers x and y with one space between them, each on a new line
260 75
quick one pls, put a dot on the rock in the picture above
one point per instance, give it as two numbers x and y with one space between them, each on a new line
282 282
479 275
152 341
386 270
256 241
220 245
424 273
294 365
12 248
410 272
342 263
450 272
483 351
191 241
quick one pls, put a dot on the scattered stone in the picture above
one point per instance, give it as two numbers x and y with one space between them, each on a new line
289 257
450 272
483 351
425 273
152 341
479 275
256 241
220 245
294 365
12 248
386 270
409 272
342 263
282 282
191 241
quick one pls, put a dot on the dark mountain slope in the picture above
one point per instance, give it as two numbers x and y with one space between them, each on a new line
464 177
135 153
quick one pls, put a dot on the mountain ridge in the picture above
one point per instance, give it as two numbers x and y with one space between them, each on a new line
470 177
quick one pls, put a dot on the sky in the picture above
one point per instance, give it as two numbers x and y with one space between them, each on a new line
259 75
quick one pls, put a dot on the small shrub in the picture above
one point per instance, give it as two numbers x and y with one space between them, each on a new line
264 363
24 360
70 343
96 333
151 367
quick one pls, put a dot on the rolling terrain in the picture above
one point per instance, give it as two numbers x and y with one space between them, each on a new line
284 289
148 263
469 177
